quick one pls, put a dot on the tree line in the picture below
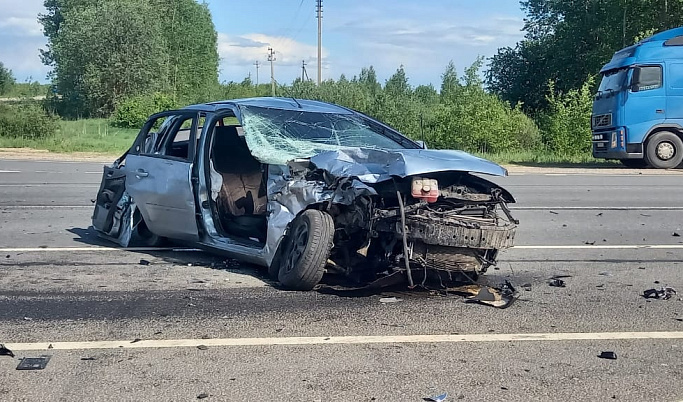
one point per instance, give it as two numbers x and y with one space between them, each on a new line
126 59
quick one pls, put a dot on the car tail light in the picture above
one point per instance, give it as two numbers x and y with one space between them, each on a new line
425 189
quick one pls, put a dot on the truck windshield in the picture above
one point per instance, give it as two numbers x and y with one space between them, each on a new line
613 81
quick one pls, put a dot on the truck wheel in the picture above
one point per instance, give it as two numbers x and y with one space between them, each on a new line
634 163
307 248
664 150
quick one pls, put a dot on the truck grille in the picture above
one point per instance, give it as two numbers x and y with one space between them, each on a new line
602 120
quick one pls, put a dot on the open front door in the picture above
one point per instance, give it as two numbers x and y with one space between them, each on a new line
158 174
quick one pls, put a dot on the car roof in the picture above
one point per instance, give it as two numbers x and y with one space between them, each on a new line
303 105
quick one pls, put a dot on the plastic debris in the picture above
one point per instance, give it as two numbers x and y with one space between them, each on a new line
558 283
202 347
438 398
33 363
5 352
203 395
390 300
501 297
664 293
144 262
608 355
676 234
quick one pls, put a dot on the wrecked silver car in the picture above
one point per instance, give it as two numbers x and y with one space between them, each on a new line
303 188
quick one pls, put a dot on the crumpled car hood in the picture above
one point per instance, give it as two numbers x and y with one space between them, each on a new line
374 165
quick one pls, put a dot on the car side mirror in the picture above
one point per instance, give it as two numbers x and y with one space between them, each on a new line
422 144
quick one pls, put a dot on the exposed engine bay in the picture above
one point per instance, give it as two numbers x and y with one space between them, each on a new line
450 225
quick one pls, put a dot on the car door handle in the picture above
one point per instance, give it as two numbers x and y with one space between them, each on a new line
660 111
141 173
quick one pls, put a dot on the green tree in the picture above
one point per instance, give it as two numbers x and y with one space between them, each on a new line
6 79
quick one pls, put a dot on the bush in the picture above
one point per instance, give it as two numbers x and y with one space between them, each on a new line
133 112
28 120
566 125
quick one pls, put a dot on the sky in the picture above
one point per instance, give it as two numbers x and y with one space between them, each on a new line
423 36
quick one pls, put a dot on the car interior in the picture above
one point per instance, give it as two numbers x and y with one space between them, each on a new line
241 202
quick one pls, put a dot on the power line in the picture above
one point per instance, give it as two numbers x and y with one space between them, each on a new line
271 59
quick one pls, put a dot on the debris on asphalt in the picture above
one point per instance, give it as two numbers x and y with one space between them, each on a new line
203 395
527 287
664 293
5 352
144 262
557 283
202 347
501 297
7 256
590 243
438 398
605 273
608 355
675 234
600 214
33 363
28 319
88 358
390 300
136 340
554 213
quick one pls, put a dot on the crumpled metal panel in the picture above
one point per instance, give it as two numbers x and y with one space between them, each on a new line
374 165
443 233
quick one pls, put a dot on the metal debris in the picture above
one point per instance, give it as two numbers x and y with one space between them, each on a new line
501 297
664 293
438 398
558 283
5 352
608 355
390 300
33 363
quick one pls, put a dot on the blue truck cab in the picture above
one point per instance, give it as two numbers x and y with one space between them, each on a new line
638 109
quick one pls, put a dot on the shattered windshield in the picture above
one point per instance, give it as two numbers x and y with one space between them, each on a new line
613 81
276 136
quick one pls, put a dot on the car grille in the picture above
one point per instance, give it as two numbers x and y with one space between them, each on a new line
602 120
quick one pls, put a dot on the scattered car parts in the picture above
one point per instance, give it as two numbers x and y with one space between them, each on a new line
33 363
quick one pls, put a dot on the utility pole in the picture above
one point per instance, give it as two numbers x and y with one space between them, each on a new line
319 9
257 64
271 59
303 70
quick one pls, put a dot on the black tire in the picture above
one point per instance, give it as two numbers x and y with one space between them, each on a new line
664 150
634 163
307 248
146 238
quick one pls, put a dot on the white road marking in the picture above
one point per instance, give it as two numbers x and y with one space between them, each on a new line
93 248
10 171
343 340
602 208
182 249
45 206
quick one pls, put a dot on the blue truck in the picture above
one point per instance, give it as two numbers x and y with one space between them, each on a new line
638 109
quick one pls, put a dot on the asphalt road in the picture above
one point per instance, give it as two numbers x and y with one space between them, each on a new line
609 233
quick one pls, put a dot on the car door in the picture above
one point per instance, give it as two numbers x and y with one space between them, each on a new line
646 103
159 174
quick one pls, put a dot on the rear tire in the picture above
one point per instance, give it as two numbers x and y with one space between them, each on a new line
307 247
147 238
664 150
634 163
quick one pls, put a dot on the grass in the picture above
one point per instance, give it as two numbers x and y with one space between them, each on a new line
86 135
98 136
541 158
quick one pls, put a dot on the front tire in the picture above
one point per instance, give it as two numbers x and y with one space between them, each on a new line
664 150
307 248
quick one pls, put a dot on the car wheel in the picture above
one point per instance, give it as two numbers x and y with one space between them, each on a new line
664 150
307 248
634 163
147 238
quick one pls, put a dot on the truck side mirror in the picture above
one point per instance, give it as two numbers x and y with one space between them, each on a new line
422 144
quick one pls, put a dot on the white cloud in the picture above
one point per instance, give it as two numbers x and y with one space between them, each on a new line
239 52
21 26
